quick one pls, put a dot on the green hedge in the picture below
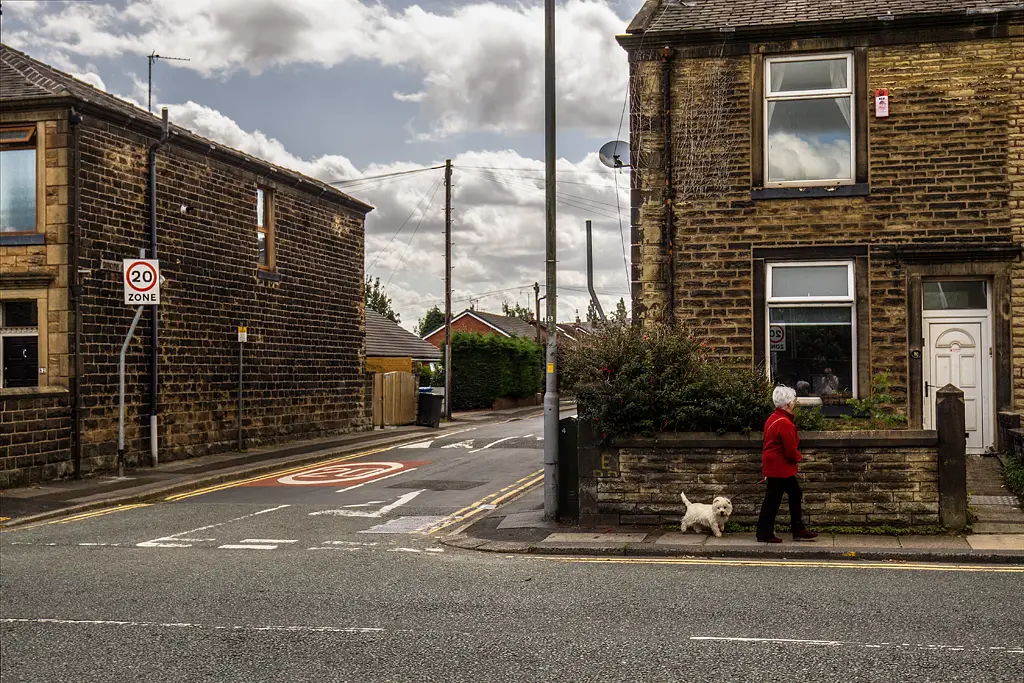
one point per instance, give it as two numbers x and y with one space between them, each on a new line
487 368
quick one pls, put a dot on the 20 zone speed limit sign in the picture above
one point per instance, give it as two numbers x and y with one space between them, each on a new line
142 282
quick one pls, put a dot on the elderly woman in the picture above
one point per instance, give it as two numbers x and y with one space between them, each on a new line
779 465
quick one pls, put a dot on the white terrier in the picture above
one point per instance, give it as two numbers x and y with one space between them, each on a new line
702 516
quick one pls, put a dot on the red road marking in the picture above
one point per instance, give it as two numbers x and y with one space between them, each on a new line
342 474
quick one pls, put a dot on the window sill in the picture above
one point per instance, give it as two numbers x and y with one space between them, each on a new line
268 275
22 239
32 392
855 190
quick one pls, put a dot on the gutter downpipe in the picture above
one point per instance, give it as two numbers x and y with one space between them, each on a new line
154 377
74 119
669 236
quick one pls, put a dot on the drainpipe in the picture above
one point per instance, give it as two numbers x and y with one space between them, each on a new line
669 236
154 385
74 118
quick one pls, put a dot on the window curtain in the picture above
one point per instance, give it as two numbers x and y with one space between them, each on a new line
837 79
777 75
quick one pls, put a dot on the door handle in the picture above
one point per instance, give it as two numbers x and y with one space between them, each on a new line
926 387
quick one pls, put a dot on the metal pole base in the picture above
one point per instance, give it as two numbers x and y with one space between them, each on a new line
551 455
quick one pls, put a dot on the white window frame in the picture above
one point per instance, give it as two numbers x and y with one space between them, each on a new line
850 301
848 91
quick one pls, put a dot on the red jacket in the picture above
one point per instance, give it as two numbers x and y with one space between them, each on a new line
780 455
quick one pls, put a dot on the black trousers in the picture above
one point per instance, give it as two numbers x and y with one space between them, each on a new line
772 501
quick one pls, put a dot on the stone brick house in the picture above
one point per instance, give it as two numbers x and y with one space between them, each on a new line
832 190
241 242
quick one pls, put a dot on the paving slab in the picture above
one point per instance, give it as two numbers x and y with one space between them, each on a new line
1000 528
594 538
677 538
526 520
866 541
996 541
732 540
934 543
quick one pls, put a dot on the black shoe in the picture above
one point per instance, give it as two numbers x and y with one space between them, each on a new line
773 539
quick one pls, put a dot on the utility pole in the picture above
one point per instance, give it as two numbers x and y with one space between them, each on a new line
590 274
448 289
551 393
152 58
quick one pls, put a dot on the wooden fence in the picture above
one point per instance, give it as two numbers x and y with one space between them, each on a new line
395 395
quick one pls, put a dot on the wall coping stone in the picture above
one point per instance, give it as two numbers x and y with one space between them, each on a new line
904 438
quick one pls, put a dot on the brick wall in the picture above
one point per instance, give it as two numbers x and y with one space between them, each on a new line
944 168
305 356
35 438
861 479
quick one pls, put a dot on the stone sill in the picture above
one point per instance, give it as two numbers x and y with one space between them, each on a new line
854 190
269 275
22 240
32 392
904 438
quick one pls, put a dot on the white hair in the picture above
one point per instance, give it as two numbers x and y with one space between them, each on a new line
783 397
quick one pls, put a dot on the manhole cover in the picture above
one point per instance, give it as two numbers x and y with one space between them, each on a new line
994 500
438 485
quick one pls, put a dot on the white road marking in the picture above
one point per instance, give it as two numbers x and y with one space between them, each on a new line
195 540
373 481
540 438
494 443
409 524
468 443
421 444
364 505
848 643
333 548
433 550
404 550
100 544
269 540
172 541
359 543
213 627
250 546
373 515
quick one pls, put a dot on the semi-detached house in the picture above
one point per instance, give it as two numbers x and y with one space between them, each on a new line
833 190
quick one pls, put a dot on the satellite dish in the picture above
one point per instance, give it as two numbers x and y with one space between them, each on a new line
615 154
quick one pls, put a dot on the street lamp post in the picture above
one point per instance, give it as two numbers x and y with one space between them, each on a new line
551 386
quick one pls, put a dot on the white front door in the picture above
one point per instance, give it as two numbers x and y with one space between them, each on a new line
957 352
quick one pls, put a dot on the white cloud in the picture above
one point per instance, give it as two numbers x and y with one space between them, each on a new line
481 65
792 157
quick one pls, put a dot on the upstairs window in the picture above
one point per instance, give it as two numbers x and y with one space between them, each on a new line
19 173
265 228
19 343
809 126
811 327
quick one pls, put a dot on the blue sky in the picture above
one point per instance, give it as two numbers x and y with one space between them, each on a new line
343 88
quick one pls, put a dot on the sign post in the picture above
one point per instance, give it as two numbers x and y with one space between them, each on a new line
243 337
141 288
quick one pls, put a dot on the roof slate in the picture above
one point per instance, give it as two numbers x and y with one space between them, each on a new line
386 339
513 327
25 78
679 16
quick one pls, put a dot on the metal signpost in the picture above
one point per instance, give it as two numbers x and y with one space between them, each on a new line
141 279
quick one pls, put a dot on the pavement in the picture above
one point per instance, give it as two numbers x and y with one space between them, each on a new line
68 497
335 571
520 527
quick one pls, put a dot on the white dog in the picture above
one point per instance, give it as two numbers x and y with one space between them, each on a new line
702 515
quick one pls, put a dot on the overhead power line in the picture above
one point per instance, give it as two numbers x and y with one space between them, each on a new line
400 228
346 181
437 186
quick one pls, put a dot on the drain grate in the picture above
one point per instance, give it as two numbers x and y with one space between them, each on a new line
994 500
438 485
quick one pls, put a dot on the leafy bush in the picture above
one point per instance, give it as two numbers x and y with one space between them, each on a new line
487 367
1014 474
640 380
811 419
877 408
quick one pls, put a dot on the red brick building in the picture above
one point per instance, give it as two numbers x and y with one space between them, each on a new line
241 242
479 322
837 191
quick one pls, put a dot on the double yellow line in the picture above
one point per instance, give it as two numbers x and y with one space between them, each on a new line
491 499
81 516
995 569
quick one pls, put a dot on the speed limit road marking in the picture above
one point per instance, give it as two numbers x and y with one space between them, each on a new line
142 282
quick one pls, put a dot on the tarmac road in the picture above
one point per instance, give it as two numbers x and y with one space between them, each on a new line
333 573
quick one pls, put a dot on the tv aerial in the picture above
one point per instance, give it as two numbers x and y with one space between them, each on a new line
615 154
152 58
